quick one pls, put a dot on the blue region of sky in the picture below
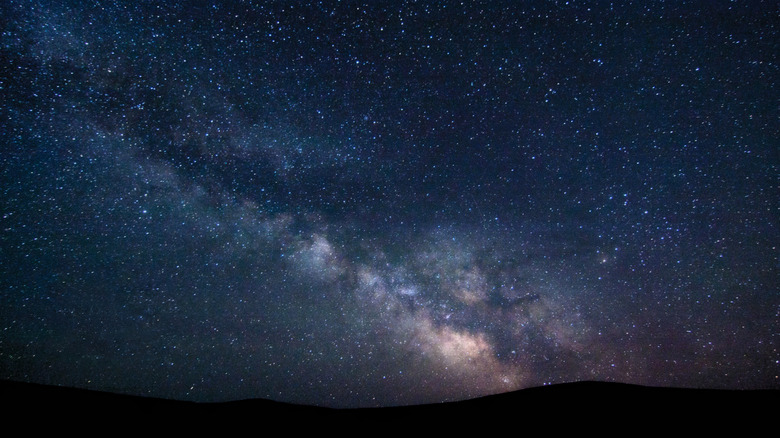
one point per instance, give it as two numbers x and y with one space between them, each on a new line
386 203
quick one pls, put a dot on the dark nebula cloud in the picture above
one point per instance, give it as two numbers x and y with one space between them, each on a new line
382 203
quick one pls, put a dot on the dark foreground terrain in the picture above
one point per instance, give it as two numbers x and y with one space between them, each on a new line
573 405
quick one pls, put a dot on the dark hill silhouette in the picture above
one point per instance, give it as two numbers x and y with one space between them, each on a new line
560 404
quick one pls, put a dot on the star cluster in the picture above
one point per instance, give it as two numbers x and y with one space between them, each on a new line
386 203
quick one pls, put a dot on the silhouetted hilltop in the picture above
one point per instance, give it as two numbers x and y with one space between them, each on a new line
591 401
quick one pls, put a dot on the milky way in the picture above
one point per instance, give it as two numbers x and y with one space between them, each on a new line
386 203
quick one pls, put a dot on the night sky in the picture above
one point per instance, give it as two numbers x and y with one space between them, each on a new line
386 203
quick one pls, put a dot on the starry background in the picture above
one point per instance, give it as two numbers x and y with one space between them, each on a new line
381 203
